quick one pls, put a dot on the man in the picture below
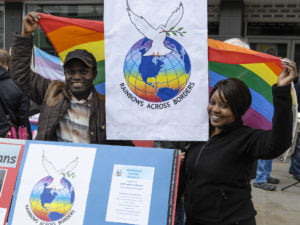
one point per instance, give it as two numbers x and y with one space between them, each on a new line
72 111
14 105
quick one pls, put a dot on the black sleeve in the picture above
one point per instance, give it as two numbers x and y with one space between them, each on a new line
31 83
4 125
272 143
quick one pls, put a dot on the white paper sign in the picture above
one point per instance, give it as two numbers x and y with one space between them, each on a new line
2 215
156 70
130 194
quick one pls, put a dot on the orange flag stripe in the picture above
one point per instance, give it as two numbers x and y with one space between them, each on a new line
74 36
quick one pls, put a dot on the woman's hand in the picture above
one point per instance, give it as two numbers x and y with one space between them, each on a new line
182 156
30 23
288 74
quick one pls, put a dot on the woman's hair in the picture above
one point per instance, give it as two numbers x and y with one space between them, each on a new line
4 57
236 94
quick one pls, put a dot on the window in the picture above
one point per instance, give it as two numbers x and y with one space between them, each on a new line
273 29
90 11
1 25
296 53
271 47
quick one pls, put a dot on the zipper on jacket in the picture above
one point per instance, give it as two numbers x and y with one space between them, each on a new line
192 171
199 154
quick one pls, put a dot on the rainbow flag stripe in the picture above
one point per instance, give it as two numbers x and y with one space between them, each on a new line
258 70
67 34
48 66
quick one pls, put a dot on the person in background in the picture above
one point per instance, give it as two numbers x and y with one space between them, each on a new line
14 105
295 158
238 42
216 174
70 112
263 179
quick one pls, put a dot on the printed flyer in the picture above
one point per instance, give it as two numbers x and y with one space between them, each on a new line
130 194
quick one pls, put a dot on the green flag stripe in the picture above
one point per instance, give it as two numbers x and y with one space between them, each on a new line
252 80
100 72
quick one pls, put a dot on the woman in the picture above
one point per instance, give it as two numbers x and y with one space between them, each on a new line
216 175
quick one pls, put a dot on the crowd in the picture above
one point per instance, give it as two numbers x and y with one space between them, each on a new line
215 175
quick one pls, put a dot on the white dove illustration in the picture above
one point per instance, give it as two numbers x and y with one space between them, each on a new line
157 35
57 175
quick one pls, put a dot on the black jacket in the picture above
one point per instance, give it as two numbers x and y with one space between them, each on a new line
216 175
13 103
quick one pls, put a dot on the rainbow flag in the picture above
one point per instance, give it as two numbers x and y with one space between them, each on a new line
49 66
67 34
258 70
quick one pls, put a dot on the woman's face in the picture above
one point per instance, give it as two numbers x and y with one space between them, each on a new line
219 112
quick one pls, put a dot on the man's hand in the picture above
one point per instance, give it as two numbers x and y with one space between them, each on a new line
288 74
30 23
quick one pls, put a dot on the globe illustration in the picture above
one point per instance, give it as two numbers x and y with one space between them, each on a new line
49 204
157 78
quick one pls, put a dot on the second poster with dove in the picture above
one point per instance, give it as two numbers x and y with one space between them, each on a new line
156 69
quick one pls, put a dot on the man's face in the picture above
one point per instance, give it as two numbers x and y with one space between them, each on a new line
79 78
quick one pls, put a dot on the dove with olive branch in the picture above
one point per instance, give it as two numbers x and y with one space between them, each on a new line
159 34
56 174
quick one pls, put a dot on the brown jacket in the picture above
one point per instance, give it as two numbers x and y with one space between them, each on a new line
53 96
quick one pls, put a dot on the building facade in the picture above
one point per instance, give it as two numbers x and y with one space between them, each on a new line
271 26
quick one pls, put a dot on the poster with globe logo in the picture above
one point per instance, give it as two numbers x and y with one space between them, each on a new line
156 69
54 185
